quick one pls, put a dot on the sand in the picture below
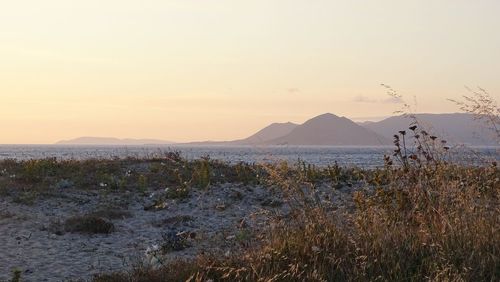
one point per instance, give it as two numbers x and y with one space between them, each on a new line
212 218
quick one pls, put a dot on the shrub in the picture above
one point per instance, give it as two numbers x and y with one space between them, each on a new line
37 170
88 224
181 192
25 198
16 275
202 174
142 184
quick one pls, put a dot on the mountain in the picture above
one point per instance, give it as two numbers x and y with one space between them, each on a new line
456 128
329 129
267 134
112 141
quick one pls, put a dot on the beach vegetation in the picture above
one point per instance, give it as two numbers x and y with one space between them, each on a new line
88 224
420 217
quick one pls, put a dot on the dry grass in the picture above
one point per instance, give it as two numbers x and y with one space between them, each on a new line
438 222
177 271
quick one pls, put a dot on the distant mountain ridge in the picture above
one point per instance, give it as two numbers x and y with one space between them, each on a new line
268 133
457 128
112 141
330 130
323 130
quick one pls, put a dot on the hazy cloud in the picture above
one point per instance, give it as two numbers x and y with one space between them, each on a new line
293 90
364 99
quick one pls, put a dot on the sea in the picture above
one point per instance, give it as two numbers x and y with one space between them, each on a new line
365 157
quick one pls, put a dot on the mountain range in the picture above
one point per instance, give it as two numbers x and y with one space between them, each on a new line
457 128
331 130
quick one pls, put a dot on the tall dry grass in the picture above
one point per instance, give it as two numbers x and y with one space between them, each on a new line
431 220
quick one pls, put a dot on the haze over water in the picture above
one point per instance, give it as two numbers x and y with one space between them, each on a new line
365 157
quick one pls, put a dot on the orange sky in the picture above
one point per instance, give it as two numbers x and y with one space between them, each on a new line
197 70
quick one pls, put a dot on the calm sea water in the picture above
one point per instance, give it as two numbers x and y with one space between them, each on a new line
367 157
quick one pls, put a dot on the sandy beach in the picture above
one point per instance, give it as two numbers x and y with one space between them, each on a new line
219 219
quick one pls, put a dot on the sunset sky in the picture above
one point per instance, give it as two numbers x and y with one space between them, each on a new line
216 70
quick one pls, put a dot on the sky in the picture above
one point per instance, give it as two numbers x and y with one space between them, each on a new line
187 70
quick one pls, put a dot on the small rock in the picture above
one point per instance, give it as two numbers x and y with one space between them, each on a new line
220 207
273 203
236 195
174 242
155 203
64 184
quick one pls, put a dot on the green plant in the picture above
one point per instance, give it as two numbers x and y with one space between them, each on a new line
246 174
201 176
37 170
4 191
142 184
113 182
243 235
26 198
180 192
16 275
309 172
